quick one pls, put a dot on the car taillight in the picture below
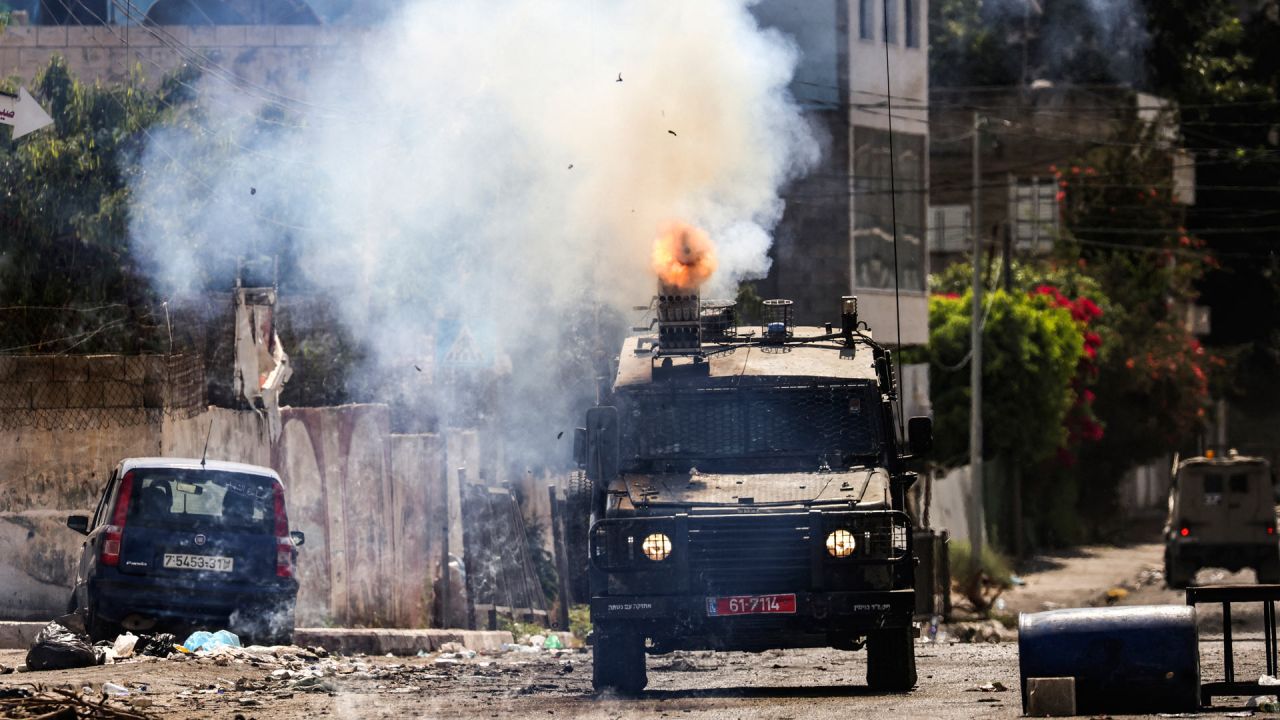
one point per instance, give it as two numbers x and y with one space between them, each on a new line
284 544
1184 532
1271 529
113 534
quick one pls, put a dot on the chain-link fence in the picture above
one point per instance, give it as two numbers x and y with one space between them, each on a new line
81 392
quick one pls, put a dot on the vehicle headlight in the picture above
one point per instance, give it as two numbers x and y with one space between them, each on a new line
656 547
841 543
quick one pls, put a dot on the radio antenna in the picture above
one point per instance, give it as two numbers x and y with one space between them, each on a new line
893 210
207 435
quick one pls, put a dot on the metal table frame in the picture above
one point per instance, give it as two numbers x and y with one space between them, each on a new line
1227 595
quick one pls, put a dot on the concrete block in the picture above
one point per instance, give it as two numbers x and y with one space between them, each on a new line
260 35
229 35
19 635
8 60
202 36
50 396
106 367
15 396
69 368
119 394
1051 697
51 36
18 36
31 369
31 59
135 369
398 642
141 36
295 35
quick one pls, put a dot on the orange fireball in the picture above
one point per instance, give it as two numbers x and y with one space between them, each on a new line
683 256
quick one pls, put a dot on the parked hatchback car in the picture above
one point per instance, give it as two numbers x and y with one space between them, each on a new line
180 544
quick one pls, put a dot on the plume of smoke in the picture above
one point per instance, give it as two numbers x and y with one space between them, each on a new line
482 164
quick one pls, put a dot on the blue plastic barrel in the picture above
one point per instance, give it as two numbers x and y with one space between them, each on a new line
1138 659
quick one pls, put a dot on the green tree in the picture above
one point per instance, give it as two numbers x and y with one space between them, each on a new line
1030 351
65 258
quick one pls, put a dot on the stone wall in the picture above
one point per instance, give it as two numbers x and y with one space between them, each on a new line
275 57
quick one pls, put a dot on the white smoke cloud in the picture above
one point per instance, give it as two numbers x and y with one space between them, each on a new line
480 161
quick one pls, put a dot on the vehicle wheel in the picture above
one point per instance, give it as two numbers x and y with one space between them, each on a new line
618 659
1268 571
577 521
891 660
1177 574
98 628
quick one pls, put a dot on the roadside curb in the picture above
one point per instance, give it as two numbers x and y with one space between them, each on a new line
17 635
398 642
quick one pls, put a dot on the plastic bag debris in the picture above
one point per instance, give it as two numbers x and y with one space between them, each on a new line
124 645
202 640
553 643
63 644
1268 680
111 689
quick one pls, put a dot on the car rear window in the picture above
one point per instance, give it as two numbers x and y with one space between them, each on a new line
1212 484
180 499
1239 483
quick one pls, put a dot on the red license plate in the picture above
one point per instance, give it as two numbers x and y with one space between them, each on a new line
752 605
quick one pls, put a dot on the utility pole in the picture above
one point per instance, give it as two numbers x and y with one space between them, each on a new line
976 523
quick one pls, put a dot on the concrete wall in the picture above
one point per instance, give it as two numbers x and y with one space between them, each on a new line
372 504
278 57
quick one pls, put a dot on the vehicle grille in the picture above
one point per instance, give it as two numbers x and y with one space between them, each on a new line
749 554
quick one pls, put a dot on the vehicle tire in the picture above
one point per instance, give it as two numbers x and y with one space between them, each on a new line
1177 574
1268 571
577 521
98 628
891 660
617 661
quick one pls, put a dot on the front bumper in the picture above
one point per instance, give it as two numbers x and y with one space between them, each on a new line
821 619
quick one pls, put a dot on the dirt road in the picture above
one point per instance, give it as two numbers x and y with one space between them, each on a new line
292 684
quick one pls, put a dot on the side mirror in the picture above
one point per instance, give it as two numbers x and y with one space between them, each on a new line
602 444
920 435
79 523
299 538
580 447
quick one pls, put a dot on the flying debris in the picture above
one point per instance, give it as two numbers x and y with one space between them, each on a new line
559 434
570 166
253 191
619 77
415 367
673 133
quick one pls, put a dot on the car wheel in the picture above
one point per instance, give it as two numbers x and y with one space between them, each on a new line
618 659
100 629
1268 571
891 660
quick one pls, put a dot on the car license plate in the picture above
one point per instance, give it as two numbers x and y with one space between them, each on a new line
752 605
216 563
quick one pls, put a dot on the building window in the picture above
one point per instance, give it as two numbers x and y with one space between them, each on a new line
891 21
866 20
911 22
949 228
1033 213
873 210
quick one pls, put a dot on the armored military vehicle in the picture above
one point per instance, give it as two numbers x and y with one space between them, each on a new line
1221 514
747 492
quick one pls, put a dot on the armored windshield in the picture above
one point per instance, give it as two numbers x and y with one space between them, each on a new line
796 424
